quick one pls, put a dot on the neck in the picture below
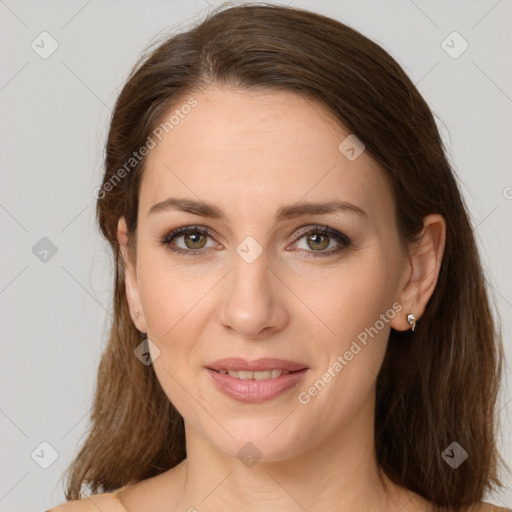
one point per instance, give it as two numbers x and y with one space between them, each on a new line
339 474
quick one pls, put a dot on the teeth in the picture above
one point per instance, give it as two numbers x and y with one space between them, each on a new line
261 375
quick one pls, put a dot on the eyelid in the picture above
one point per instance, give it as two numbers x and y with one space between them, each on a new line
184 230
322 229
343 240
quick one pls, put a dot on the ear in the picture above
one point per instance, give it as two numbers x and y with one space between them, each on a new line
422 271
130 279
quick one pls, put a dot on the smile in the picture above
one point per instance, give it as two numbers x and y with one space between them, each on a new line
261 375
255 387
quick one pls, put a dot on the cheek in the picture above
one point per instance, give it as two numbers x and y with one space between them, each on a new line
336 303
356 305
348 299
175 307
172 299
337 309
359 312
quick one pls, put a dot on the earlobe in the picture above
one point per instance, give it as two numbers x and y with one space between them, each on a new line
130 277
425 260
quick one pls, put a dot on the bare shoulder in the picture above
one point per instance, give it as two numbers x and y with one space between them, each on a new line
488 507
146 495
107 502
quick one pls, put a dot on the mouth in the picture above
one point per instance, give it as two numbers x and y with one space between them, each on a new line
258 375
243 368
255 381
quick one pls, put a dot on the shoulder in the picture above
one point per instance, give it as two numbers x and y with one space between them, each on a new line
143 495
488 507
107 502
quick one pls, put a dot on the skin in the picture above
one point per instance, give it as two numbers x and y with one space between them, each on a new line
250 153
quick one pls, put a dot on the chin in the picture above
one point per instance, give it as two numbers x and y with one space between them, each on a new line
255 445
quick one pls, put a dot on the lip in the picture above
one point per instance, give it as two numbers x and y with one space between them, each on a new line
256 391
251 390
265 363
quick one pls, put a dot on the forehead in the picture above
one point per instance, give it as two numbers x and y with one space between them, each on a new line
260 150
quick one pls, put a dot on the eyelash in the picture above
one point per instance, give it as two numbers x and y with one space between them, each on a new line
322 230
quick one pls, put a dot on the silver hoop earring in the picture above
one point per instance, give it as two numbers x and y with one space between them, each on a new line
411 319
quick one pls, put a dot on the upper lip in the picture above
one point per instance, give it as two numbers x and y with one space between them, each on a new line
266 363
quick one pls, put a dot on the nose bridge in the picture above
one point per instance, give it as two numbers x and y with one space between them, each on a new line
250 272
250 280
250 301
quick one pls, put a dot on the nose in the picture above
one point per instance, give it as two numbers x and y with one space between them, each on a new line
253 299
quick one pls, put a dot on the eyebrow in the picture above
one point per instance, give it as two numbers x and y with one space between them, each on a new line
286 212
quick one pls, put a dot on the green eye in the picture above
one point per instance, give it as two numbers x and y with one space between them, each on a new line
318 238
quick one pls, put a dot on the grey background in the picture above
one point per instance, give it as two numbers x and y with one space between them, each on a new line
54 120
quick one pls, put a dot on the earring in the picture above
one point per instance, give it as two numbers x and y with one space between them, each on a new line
137 313
412 321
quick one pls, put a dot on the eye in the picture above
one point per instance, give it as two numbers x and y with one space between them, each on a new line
319 238
193 240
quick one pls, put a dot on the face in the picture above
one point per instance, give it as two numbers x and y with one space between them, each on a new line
267 279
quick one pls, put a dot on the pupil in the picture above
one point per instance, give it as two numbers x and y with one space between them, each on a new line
317 241
195 238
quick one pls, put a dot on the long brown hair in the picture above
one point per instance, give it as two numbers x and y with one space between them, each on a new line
434 388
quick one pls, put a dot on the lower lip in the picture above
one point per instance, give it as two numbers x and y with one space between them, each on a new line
255 391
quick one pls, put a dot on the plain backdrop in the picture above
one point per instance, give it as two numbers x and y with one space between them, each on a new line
55 282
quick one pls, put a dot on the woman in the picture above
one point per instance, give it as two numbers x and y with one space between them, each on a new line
301 319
